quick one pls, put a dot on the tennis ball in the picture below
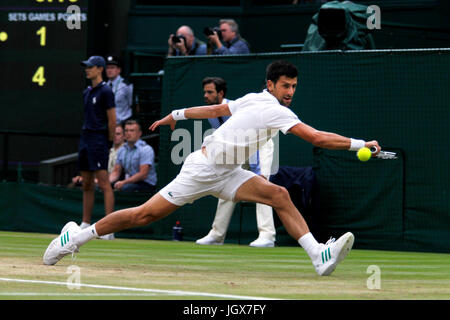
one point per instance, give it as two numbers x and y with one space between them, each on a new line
364 154
3 36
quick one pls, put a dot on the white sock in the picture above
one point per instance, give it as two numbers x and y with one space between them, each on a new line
84 225
85 235
310 244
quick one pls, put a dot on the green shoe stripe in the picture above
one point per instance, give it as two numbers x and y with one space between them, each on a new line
64 238
326 255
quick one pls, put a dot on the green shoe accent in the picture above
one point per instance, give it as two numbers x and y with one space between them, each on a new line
64 238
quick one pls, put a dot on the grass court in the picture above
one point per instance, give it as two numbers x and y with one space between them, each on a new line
167 270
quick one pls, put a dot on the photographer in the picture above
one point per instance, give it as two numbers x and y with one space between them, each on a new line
184 43
232 42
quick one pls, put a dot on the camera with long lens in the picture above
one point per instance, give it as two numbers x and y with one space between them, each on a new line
208 31
176 39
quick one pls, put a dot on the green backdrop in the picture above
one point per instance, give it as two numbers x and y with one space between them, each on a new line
400 98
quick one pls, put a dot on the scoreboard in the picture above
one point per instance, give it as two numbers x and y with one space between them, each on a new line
41 45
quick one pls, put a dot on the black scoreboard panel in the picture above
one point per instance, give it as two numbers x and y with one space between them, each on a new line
41 45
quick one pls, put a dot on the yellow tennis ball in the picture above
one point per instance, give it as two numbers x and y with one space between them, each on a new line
364 154
3 36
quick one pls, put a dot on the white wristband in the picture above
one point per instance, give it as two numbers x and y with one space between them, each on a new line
178 114
355 144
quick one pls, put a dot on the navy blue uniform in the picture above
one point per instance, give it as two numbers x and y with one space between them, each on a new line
93 150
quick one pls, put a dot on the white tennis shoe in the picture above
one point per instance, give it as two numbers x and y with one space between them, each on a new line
332 253
262 243
70 225
209 240
62 245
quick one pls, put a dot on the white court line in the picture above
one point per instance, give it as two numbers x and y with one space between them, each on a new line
169 292
57 294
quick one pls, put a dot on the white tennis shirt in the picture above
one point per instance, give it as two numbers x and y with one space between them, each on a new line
256 118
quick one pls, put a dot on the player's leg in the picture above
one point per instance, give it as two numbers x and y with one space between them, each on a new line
73 237
153 210
258 189
88 187
324 257
183 189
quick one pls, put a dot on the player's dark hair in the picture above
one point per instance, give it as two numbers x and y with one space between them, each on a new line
221 84
280 68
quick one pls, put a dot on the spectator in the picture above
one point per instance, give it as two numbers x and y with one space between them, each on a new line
233 43
137 160
214 90
187 45
96 137
123 91
119 140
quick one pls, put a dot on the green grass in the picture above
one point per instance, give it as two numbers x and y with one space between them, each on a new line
281 272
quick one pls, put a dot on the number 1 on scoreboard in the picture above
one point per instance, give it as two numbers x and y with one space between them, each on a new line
42 32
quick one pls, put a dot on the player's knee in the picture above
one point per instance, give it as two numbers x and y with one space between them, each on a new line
142 216
280 196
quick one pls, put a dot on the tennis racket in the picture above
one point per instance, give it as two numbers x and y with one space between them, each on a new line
383 154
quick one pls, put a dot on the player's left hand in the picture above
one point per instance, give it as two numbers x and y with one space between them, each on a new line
168 120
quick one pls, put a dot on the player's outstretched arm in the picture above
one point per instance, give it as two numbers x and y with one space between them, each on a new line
329 140
204 112
166 121
207 112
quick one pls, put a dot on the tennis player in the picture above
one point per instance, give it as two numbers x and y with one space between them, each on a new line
216 170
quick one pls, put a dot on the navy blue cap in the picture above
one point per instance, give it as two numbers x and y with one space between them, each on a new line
94 61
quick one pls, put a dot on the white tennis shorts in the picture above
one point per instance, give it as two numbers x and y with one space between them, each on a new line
199 177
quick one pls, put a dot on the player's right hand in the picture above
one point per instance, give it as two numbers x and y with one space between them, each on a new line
167 120
371 144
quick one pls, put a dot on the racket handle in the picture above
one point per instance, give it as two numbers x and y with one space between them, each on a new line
373 149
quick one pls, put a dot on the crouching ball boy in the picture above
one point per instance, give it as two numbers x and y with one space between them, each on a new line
216 170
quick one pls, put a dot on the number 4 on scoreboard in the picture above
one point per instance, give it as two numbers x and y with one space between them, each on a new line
39 77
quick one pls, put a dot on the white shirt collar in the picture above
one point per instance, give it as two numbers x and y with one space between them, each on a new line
268 94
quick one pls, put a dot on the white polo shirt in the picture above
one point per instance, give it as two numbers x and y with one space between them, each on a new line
256 118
